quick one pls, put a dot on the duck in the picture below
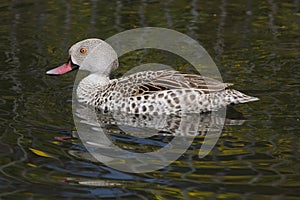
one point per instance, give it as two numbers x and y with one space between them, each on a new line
145 92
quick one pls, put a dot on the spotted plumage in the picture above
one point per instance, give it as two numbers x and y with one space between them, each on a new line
148 92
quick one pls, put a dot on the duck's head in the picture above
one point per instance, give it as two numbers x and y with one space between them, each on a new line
93 55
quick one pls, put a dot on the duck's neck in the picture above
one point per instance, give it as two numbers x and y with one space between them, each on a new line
88 88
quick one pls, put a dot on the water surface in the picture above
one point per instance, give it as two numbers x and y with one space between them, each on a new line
255 45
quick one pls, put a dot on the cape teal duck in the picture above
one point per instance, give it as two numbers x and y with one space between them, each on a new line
147 92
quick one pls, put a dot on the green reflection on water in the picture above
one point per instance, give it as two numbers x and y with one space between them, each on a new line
256 46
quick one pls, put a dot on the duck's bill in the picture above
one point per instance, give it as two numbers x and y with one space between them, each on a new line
67 67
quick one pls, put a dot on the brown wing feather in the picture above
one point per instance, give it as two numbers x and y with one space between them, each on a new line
150 82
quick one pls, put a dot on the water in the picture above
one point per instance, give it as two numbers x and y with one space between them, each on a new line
254 43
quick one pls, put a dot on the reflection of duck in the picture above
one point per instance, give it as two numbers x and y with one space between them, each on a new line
100 133
151 92
142 126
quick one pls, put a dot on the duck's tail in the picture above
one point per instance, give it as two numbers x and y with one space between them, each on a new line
235 97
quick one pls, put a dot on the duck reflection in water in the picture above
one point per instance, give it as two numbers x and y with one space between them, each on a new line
146 105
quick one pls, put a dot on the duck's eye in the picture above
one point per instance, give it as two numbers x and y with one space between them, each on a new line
83 50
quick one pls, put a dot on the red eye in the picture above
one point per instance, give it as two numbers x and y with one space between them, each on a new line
83 50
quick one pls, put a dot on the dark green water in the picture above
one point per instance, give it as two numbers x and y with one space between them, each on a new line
256 45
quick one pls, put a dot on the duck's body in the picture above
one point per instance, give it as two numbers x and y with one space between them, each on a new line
148 92
159 92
